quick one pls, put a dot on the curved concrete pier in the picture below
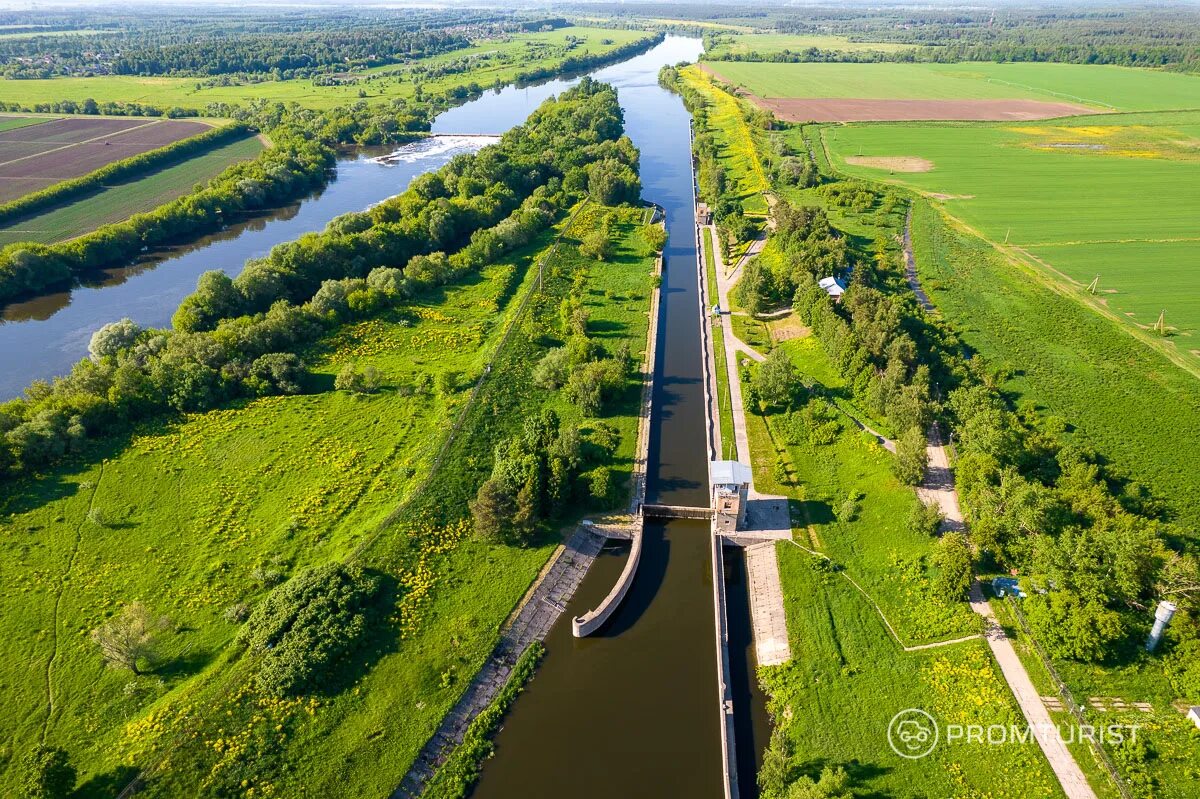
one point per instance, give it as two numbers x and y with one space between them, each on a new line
588 623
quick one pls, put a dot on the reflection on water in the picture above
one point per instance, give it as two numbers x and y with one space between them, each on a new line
44 337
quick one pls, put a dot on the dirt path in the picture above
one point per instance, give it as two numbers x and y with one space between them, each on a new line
938 488
63 581
910 265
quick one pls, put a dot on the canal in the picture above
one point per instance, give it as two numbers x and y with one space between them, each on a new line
633 710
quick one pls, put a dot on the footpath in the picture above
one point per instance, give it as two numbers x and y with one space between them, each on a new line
768 517
939 488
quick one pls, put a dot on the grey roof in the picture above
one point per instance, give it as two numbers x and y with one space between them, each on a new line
832 286
728 473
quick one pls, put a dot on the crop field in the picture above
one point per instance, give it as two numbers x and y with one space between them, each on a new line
120 201
1089 200
1131 403
13 122
491 61
977 90
196 516
36 156
766 44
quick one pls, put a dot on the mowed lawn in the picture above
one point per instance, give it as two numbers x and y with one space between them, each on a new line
1094 198
1104 87
119 202
492 61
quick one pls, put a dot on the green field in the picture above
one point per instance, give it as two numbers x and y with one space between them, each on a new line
769 43
847 679
735 139
1105 87
120 201
494 61
13 122
196 516
1089 199
1125 399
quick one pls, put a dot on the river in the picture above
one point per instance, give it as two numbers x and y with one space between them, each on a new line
44 337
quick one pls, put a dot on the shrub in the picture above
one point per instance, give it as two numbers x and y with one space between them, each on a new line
304 627
912 459
1072 627
47 773
952 559
925 518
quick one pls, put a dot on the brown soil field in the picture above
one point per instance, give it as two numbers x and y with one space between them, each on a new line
38 156
818 109
905 163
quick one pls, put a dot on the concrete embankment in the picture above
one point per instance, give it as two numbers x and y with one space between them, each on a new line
541 608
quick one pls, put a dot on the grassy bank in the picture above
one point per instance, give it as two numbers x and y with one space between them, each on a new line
487 62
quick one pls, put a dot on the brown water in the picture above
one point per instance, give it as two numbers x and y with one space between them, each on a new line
633 710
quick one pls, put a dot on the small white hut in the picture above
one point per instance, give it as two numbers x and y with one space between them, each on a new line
832 286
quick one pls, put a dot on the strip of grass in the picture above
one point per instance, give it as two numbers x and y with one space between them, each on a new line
720 366
118 202
848 678
458 774
11 123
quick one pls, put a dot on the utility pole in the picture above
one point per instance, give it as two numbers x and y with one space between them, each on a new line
1161 324
1092 286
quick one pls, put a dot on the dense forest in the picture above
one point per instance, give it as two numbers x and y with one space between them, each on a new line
276 47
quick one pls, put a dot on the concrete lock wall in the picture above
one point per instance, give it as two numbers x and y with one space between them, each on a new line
588 623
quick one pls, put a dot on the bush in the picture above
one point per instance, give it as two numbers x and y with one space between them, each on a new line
1072 627
952 559
303 628
47 773
912 458
925 518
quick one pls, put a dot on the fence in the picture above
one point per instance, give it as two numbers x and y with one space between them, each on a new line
1068 701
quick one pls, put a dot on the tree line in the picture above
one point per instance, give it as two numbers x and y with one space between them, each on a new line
297 45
